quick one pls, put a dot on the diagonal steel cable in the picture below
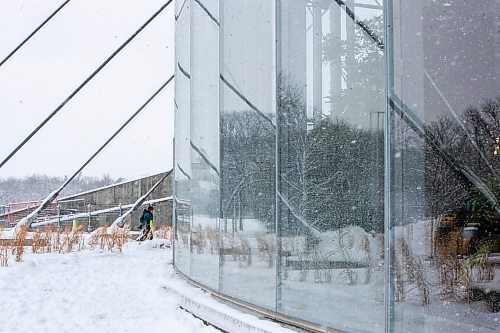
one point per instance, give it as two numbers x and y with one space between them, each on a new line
87 80
366 29
212 17
408 114
33 33
51 197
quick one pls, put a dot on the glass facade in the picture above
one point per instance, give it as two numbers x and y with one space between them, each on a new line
445 106
337 162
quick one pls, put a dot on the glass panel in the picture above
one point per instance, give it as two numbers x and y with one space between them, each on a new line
446 165
182 168
330 116
205 142
248 150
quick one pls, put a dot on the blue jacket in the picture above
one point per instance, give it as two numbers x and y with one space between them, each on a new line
146 218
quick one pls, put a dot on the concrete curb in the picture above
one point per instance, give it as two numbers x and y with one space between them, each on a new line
224 317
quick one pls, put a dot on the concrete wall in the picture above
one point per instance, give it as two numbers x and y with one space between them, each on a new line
123 193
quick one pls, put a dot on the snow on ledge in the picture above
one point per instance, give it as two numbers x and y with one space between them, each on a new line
222 316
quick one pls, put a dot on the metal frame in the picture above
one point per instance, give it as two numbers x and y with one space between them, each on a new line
221 105
389 169
277 162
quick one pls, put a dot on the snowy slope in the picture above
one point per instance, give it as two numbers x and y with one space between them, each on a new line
93 291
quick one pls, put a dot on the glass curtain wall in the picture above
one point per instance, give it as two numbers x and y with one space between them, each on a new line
330 183
182 168
445 125
339 166
247 129
204 142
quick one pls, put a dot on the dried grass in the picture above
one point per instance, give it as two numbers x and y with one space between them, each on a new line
19 241
381 245
79 239
163 232
399 282
74 240
199 241
65 245
99 238
305 261
184 236
56 240
47 239
62 240
365 245
246 251
303 268
413 271
105 240
484 269
213 239
267 248
38 243
4 255
349 275
119 237
321 265
448 266
342 236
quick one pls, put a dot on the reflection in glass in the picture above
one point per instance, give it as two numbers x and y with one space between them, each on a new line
204 143
330 117
182 167
446 186
247 133
281 122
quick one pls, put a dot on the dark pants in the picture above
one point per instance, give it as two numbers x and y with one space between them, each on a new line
146 234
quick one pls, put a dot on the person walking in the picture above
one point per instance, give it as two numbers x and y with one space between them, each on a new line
147 224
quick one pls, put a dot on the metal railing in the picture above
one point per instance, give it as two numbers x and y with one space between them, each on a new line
96 215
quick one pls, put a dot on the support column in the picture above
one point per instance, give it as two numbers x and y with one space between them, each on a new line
349 55
317 63
335 60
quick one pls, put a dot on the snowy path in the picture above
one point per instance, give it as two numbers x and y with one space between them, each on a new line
93 291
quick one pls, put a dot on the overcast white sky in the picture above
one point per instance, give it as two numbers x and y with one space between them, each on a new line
57 59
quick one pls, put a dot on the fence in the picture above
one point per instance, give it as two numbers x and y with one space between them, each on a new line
93 216
63 213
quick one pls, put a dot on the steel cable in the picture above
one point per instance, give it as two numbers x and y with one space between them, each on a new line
84 83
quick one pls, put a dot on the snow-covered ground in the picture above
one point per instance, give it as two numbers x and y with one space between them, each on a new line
138 290
350 299
93 291
96 291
